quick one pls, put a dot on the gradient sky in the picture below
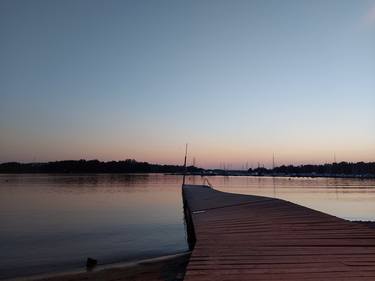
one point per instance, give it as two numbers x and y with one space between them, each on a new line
237 80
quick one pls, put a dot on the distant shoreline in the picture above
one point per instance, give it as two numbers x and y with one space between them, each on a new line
93 166
360 170
304 176
238 174
227 174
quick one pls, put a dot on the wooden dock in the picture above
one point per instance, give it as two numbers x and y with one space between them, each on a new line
243 237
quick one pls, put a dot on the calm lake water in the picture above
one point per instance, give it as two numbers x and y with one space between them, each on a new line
52 223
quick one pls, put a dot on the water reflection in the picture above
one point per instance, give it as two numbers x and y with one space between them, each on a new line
54 222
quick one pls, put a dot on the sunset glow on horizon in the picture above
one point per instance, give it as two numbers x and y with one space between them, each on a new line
239 81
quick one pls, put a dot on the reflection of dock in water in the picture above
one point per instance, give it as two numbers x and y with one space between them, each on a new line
243 237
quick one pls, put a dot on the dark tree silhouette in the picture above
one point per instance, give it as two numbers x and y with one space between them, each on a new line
93 166
335 169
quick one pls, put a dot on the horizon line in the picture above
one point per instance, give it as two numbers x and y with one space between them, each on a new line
227 166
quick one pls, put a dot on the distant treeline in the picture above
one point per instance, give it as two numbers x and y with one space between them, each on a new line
93 166
342 168
132 166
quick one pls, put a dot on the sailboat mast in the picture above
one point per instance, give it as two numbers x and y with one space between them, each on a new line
185 169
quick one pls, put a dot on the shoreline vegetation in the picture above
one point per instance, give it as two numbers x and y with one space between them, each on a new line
342 169
94 166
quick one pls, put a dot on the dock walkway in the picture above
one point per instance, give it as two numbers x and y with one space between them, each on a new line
244 237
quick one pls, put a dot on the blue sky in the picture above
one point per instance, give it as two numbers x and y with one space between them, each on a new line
238 80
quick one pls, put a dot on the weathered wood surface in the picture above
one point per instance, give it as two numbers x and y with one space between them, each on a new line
243 237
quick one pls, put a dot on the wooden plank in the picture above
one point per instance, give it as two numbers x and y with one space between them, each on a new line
243 237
